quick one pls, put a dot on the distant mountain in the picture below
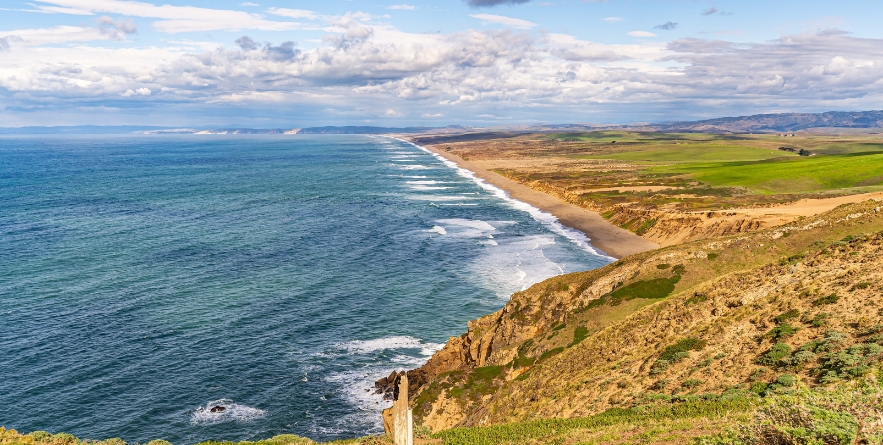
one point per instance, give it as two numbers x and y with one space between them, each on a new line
784 122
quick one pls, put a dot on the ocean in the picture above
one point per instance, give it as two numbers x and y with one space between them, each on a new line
145 279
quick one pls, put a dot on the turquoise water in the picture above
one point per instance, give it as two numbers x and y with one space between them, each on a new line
144 279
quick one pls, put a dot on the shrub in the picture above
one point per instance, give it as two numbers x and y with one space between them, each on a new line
691 383
677 350
774 355
786 380
784 316
759 388
41 436
828 299
782 331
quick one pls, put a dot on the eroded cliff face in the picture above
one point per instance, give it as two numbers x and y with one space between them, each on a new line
581 343
667 227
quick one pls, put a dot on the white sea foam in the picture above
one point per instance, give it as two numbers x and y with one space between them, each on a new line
426 188
441 197
439 230
413 167
233 412
427 182
397 342
541 216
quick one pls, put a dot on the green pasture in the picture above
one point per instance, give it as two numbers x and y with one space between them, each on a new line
789 175
692 152
634 136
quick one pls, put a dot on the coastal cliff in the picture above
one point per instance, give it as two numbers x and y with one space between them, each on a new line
733 315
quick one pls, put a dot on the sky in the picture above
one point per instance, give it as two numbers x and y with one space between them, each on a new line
289 64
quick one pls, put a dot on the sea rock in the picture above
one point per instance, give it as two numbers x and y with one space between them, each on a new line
218 409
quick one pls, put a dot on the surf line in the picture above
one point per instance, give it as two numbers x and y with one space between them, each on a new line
545 218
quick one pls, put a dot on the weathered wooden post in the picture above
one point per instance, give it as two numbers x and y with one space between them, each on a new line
402 427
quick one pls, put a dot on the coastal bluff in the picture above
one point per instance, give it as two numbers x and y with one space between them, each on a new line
715 316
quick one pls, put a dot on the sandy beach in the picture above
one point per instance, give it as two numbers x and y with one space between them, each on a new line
613 240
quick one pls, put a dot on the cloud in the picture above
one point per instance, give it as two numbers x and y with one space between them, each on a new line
641 34
176 19
666 26
491 3
59 10
6 41
248 4
710 11
246 43
116 29
613 19
402 7
293 13
139 92
462 75
503 20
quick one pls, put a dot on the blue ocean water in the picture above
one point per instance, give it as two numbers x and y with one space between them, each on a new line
144 279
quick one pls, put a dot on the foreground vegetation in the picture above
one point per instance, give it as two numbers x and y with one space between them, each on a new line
837 415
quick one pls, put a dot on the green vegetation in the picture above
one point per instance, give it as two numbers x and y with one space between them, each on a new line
551 430
789 175
12 437
828 299
693 152
842 415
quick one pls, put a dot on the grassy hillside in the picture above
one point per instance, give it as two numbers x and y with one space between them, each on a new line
768 314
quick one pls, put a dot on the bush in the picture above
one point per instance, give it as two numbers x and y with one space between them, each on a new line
782 331
793 313
774 355
677 350
691 383
828 299
787 380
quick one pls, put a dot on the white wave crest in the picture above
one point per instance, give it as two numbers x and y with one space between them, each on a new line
541 216
439 230
396 342
232 412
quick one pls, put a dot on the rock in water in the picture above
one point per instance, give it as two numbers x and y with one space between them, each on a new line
218 409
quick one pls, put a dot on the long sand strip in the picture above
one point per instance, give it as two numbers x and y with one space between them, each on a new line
614 241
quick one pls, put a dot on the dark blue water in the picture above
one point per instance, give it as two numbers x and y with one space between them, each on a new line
145 278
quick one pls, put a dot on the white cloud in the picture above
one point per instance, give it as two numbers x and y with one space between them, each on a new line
293 13
613 19
457 76
60 10
138 92
641 34
177 19
403 7
248 4
503 20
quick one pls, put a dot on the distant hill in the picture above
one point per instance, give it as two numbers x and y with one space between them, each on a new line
784 122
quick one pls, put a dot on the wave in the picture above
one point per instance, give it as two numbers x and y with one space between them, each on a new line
426 188
232 412
395 342
441 197
543 217
439 230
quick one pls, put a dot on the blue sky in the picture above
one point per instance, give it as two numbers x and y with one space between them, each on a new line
474 62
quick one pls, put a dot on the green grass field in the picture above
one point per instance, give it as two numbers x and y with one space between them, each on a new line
789 175
693 152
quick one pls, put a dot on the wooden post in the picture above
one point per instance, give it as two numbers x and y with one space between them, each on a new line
402 423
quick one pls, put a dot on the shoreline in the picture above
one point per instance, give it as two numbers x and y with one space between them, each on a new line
612 240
